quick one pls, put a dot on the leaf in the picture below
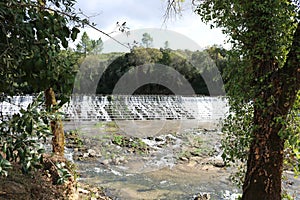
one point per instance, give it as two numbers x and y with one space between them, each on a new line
74 33
4 148
29 126
64 43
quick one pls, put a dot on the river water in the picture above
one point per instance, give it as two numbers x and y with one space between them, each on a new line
159 174
183 159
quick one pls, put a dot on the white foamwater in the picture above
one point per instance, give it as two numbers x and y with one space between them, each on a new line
130 107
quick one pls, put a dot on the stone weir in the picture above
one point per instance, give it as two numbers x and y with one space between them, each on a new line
130 107
144 107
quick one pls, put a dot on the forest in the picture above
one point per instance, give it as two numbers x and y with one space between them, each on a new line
261 73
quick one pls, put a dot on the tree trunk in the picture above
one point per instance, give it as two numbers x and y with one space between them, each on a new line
58 140
265 161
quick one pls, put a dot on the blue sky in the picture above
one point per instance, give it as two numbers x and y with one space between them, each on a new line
145 14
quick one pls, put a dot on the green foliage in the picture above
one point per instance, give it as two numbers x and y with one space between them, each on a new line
74 138
286 196
134 144
261 82
118 139
5 165
190 64
63 173
147 40
292 136
252 31
88 46
237 129
32 34
21 136
91 68
250 35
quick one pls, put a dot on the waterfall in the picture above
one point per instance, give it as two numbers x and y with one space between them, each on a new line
130 107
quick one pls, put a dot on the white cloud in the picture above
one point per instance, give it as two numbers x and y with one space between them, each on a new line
147 14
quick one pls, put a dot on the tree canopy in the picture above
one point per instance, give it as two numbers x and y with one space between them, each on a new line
176 59
88 46
32 36
147 40
263 79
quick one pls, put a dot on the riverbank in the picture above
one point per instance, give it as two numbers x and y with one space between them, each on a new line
41 184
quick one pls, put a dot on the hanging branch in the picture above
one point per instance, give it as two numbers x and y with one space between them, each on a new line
74 18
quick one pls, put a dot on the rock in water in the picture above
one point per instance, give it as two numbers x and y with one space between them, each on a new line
92 153
203 196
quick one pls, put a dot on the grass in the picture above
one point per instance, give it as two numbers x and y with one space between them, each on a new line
136 144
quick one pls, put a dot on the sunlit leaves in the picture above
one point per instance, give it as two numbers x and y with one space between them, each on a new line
260 83
22 135
32 35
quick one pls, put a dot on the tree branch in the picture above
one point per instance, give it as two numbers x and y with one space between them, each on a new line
289 74
73 18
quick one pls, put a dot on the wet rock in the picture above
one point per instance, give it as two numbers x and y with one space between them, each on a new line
150 138
119 160
218 162
159 139
92 153
184 159
116 161
106 162
85 155
204 196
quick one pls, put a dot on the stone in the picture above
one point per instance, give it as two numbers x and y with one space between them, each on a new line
184 158
119 160
196 153
83 191
192 163
85 155
196 158
116 161
203 196
122 159
106 162
218 162
92 153
159 139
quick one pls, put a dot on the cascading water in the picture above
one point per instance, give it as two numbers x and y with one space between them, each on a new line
150 107
12 105
124 107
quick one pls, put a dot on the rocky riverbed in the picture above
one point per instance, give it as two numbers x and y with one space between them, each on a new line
146 160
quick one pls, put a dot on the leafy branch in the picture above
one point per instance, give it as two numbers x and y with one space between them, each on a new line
75 18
